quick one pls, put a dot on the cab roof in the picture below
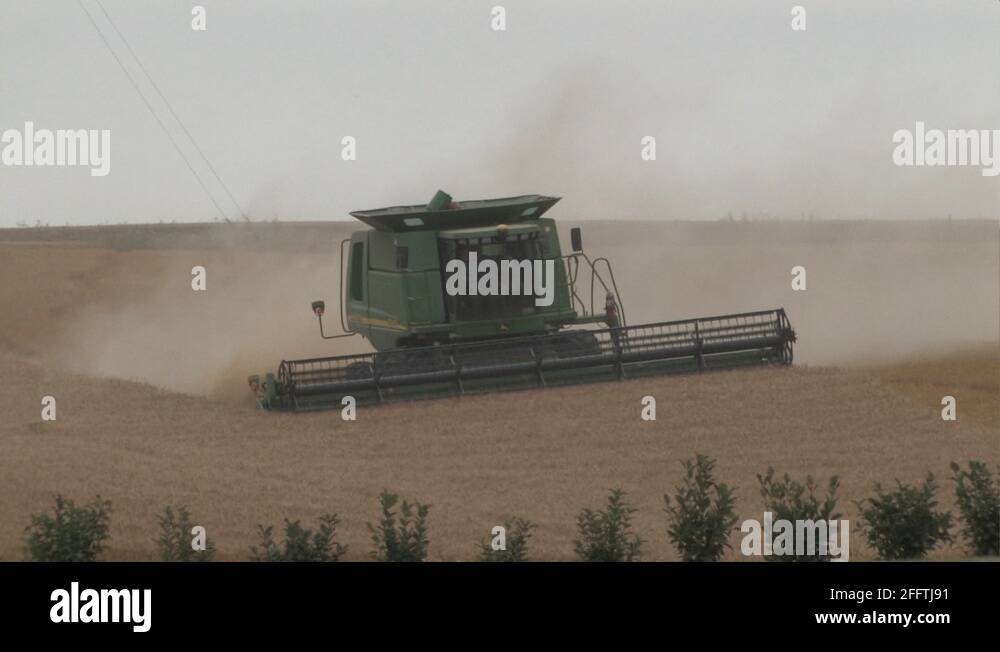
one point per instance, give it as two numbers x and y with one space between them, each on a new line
464 214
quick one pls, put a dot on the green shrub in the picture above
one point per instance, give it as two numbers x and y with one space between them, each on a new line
605 535
794 501
978 494
902 524
174 543
301 544
518 531
70 534
402 538
702 516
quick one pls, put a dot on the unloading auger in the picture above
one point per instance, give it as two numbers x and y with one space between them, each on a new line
431 341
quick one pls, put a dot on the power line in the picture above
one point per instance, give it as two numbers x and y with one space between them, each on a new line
171 109
153 112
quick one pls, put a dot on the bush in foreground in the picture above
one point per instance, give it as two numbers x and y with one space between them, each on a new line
400 538
701 517
902 524
517 532
606 535
175 542
978 496
70 533
793 501
301 543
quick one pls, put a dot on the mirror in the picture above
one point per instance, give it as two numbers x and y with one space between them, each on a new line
576 238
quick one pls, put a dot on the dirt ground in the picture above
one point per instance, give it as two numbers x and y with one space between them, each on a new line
153 407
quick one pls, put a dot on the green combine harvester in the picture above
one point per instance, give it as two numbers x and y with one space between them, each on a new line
437 335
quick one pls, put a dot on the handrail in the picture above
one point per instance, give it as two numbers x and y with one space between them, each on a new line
572 262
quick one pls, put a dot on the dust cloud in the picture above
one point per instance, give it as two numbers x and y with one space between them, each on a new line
866 302
874 294
149 325
875 291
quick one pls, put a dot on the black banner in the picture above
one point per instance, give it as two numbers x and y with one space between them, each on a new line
249 599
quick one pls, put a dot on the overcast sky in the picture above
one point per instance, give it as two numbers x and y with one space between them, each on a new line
748 114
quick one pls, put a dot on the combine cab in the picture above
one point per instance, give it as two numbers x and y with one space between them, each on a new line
435 337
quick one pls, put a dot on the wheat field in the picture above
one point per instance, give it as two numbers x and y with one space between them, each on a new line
153 407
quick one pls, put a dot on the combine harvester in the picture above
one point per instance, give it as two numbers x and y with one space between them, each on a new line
432 342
